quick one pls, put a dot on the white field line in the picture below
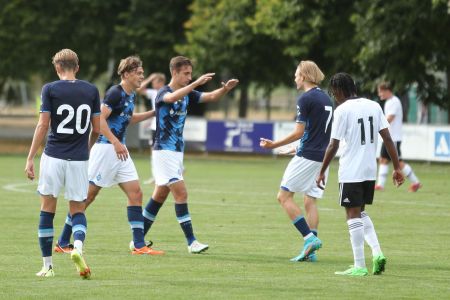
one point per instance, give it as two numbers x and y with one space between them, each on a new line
19 188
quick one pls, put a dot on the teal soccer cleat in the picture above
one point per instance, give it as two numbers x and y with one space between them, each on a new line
312 244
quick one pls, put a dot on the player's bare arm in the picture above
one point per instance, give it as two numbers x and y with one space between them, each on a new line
38 139
121 150
139 117
330 153
292 137
390 118
141 89
220 92
397 175
95 131
181 92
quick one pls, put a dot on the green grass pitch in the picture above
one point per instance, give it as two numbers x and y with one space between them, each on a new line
234 209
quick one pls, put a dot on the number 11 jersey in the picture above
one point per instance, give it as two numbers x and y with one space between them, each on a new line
357 122
71 104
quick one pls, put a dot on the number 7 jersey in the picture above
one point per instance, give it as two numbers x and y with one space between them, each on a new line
71 104
357 123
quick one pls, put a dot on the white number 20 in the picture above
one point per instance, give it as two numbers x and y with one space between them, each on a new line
79 114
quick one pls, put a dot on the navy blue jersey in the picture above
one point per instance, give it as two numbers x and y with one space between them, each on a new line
122 106
71 104
170 118
314 108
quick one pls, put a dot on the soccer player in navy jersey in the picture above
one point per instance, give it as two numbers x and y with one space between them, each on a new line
314 114
110 162
167 157
69 107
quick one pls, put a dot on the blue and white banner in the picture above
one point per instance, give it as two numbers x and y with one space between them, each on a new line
442 143
237 136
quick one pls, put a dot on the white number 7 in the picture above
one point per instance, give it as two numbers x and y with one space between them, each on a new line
329 109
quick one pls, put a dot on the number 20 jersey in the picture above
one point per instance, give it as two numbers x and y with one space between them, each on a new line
71 104
357 122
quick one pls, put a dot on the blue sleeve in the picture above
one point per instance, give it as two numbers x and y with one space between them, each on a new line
302 109
112 97
195 96
46 104
160 96
96 106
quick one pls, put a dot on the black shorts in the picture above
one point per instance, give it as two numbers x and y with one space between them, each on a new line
385 154
356 194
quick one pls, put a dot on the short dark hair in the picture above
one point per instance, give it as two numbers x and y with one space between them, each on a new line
344 83
129 64
179 61
385 85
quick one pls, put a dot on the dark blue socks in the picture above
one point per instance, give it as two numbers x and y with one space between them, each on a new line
149 213
45 233
64 238
301 225
136 220
184 219
79 226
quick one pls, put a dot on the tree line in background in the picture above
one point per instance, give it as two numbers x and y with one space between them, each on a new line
258 41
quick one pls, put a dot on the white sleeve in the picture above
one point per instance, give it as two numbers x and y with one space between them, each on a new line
390 108
151 94
339 126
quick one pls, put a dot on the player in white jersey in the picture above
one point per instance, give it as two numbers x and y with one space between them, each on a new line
394 114
357 121
157 81
69 106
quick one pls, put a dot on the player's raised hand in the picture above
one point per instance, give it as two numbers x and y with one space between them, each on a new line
230 84
398 178
121 151
29 169
320 181
204 79
265 143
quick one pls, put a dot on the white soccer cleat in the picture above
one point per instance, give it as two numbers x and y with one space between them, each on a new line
132 248
46 272
196 247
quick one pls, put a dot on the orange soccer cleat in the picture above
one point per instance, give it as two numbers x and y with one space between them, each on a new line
147 250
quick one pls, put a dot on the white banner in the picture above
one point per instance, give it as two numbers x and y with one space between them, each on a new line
420 142
194 130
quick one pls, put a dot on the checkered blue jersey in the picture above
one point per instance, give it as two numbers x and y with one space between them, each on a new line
170 119
314 108
71 104
122 106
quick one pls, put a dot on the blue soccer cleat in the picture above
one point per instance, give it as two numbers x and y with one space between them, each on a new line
312 244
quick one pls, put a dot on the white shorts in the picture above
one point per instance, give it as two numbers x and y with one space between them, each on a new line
105 169
55 174
300 176
167 166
